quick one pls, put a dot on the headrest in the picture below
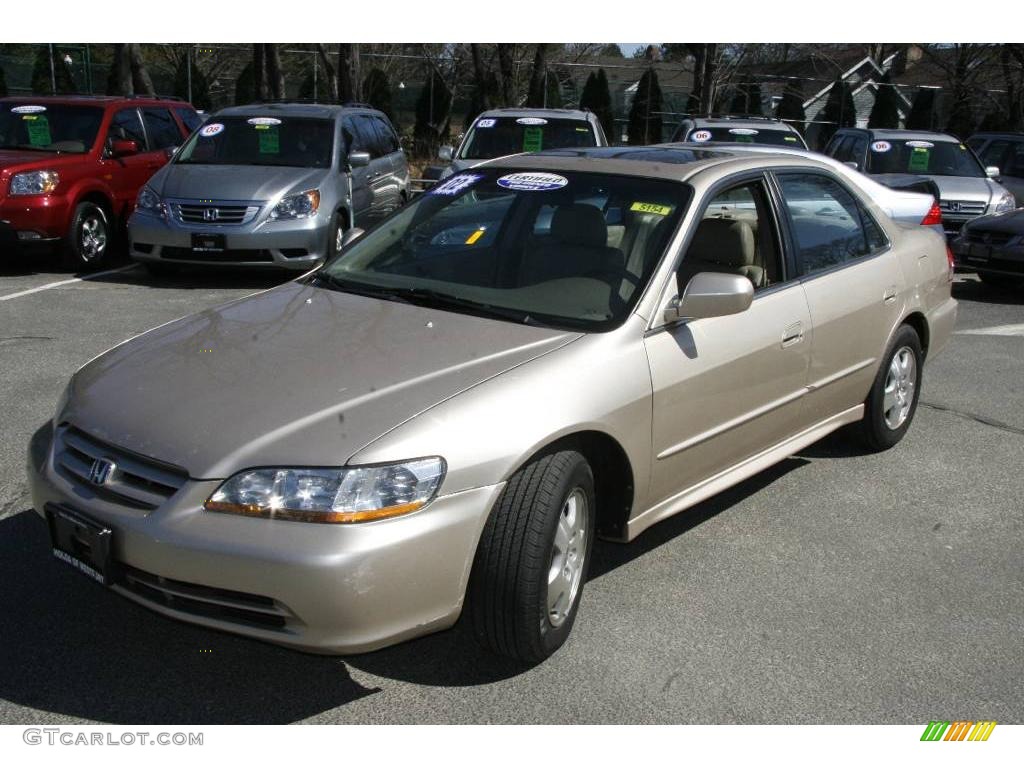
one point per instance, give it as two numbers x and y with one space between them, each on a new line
723 241
579 224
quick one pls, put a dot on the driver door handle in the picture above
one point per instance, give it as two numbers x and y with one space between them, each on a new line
793 334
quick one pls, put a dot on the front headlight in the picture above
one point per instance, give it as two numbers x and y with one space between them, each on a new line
300 206
150 201
1003 203
321 495
34 183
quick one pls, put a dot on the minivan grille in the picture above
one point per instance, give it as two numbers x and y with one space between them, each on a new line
962 207
135 481
214 213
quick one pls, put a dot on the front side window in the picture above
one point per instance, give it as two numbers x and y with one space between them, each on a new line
300 142
920 156
189 118
50 128
125 124
995 153
492 137
564 249
827 222
163 131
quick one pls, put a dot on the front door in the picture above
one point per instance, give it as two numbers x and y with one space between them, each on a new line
128 173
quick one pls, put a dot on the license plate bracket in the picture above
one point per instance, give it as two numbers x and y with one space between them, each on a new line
208 243
81 542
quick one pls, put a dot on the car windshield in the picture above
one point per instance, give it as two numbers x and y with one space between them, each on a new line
492 137
50 128
303 142
562 249
770 136
929 158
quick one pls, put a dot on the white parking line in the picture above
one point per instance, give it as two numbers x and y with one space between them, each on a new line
1014 329
59 283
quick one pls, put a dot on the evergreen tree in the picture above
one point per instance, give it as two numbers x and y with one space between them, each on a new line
839 112
961 120
746 99
922 110
377 91
480 97
644 113
885 113
3 82
306 89
200 85
598 99
553 97
433 109
995 121
42 83
791 108
245 85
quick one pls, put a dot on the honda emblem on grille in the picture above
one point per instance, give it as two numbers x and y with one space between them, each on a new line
954 206
210 214
100 471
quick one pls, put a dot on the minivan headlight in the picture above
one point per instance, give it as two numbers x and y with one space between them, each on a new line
331 495
34 183
150 201
300 206
1003 203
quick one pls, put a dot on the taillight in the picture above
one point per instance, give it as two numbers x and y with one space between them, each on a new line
952 263
934 216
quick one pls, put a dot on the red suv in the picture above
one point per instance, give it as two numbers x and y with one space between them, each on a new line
71 167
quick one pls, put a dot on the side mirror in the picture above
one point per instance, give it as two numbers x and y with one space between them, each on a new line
446 153
123 147
853 164
711 294
171 152
351 236
358 159
992 171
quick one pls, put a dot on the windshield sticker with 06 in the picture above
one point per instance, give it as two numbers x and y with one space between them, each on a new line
881 146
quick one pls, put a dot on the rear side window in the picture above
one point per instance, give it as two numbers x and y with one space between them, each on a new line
126 125
189 118
829 224
385 135
163 131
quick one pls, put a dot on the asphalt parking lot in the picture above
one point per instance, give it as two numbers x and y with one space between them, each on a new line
837 587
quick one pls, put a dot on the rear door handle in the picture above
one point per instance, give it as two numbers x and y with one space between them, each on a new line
890 294
793 334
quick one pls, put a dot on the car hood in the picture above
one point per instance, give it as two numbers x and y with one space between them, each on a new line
23 160
950 187
295 376
233 182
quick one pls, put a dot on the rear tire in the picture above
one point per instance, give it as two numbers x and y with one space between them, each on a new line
532 559
89 238
892 402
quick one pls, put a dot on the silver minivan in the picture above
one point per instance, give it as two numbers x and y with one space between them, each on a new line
270 185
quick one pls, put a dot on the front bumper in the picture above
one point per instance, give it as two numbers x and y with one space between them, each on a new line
299 244
329 588
31 222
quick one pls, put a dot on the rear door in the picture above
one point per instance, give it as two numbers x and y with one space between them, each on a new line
853 284
394 166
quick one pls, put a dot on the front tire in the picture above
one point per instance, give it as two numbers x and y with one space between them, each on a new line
336 235
892 402
89 238
532 560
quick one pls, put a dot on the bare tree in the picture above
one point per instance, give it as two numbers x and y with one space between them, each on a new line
536 91
506 74
259 73
120 80
275 75
330 76
348 72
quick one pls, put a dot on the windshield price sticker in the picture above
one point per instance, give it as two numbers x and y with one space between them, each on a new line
532 121
533 182
211 130
920 144
660 210
533 139
918 161
487 122
28 109
38 130
270 142
263 121
456 184
789 138
743 131
881 146
700 136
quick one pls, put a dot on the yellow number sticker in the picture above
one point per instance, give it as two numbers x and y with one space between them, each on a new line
660 210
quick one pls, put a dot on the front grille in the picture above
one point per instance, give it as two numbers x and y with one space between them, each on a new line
221 213
962 207
136 481
989 238
199 600
238 254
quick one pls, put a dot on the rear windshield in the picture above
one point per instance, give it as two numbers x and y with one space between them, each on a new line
50 128
771 136
303 142
932 158
499 136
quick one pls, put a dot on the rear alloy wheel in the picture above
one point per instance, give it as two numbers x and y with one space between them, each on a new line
89 237
891 405
531 563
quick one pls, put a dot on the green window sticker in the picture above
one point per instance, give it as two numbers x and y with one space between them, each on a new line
533 138
919 159
270 139
38 128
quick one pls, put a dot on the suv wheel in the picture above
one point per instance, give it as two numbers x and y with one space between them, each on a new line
891 405
531 563
337 234
89 238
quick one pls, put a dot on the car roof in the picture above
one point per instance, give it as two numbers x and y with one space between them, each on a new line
676 162
76 98
554 114
295 109
740 122
899 134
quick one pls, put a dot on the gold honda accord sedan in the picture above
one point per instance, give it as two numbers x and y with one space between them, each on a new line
441 419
